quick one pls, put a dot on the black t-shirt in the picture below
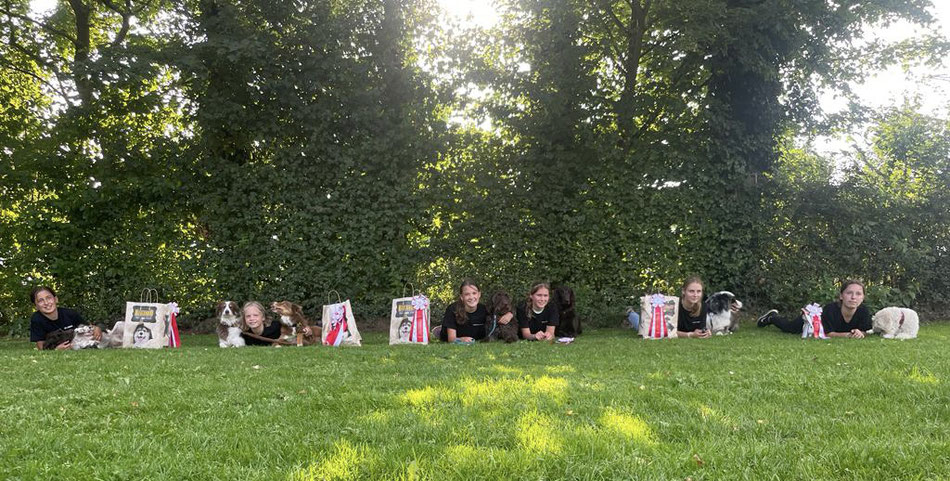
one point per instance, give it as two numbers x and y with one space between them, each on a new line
40 325
537 322
833 321
474 327
688 323
272 332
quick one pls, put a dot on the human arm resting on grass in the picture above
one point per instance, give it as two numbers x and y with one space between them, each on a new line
835 320
537 326
468 331
698 334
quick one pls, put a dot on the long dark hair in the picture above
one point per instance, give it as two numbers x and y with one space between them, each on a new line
528 305
461 317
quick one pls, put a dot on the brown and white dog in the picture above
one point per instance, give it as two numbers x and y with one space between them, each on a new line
293 322
230 324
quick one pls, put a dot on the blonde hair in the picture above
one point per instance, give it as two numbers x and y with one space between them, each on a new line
259 307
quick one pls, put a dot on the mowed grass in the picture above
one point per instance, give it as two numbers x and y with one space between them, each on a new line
756 405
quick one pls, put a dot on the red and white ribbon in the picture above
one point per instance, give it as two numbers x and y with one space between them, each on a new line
420 322
173 340
338 325
658 329
813 325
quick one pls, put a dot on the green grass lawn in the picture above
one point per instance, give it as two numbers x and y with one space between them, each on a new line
756 405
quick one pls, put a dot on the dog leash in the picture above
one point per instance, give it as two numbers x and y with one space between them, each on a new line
267 339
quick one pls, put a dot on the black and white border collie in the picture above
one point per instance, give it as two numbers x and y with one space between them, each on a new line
719 320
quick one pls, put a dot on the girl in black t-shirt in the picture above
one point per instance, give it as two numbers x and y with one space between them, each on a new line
537 318
464 319
691 320
49 318
846 317
257 322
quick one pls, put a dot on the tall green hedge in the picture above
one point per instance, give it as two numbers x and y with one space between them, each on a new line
281 150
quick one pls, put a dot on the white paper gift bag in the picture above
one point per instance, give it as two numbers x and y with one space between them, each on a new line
409 320
339 325
147 322
658 316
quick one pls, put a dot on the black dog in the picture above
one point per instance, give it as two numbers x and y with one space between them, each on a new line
57 337
501 305
570 324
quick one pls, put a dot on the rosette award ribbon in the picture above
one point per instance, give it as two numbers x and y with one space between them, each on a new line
658 329
812 324
420 320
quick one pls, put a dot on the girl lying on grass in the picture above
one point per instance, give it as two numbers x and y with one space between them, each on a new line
537 318
846 317
258 325
464 319
691 319
50 318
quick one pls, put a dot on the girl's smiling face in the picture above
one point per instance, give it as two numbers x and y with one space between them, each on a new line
253 317
46 302
540 298
470 297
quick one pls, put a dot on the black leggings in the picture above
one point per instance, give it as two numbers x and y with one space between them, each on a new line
792 326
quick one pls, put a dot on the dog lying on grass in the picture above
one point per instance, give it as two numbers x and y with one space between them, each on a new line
896 323
501 305
569 325
719 320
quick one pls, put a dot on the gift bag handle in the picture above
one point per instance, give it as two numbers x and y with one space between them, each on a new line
412 289
148 295
338 299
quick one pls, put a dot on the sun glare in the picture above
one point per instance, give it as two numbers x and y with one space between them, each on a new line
480 13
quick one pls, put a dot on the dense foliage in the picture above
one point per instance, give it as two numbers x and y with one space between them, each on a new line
262 150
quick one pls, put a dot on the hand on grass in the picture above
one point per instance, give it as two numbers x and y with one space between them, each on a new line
857 334
698 333
465 339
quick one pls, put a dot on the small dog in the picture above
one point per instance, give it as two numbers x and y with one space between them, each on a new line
57 337
292 322
501 305
896 323
719 320
568 323
82 338
230 324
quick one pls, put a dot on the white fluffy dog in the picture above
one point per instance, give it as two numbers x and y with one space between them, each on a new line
896 323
